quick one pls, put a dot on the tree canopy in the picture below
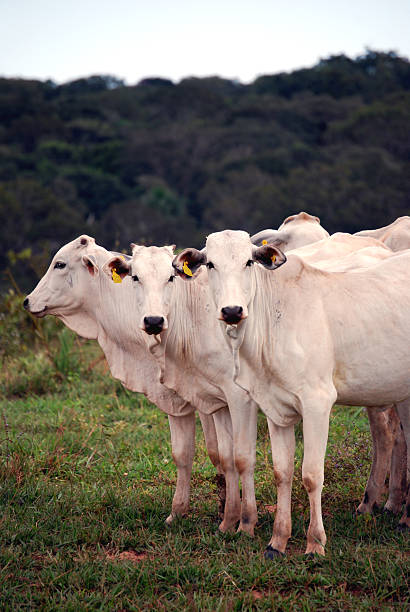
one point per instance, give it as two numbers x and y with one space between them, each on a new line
161 162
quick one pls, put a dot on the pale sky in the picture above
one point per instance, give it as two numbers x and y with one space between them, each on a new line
236 39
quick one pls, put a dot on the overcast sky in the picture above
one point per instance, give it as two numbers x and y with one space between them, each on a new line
132 39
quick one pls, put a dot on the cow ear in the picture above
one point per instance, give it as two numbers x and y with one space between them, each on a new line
269 256
188 262
278 238
89 262
116 268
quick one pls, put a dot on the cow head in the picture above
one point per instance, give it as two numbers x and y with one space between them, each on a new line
152 276
61 290
229 257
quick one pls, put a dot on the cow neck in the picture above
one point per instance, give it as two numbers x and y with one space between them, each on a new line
189 346
113 308
272 292
189 305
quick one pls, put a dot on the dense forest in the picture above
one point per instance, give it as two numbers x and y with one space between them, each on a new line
165 162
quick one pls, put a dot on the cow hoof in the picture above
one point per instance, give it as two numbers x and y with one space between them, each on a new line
402 527
362 509
226 527
392 511
389 512
314 556
272 553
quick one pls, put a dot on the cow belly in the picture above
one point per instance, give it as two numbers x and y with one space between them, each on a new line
376 388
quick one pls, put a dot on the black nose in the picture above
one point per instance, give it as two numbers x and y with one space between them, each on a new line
232 314
153 325
25 303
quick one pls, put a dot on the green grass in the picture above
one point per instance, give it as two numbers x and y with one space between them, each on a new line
86 482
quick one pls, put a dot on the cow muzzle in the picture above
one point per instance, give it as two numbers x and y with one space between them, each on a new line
38 313
153 325
232 314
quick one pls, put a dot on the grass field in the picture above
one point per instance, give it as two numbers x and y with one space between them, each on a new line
86 482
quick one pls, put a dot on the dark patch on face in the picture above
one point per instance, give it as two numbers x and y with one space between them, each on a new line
366 497
84 241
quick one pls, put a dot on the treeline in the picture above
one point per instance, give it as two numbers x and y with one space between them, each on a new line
162 162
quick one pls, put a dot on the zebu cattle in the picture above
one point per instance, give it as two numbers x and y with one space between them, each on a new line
339 252
184 335
303 233
396 235
90 304
348 343
294 232
335 254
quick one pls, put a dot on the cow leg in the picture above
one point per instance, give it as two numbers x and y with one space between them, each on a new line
283 454
398 472
211 442
183 449
223 425
403 410
398 469
244 424
382 428
315 433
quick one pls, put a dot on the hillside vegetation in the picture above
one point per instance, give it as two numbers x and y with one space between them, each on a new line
163 162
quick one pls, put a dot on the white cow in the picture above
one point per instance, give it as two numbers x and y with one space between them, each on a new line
303 234
396 235
195 359
341 252
294 232
90 304
303 338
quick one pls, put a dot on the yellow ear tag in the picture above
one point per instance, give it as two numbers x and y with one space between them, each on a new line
264 242
273 258
186 269
115 277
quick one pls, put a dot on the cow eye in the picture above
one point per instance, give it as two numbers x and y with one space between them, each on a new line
59 265
210 265
171 278
135 278
249 262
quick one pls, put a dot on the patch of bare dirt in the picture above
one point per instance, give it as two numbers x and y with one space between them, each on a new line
127 555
